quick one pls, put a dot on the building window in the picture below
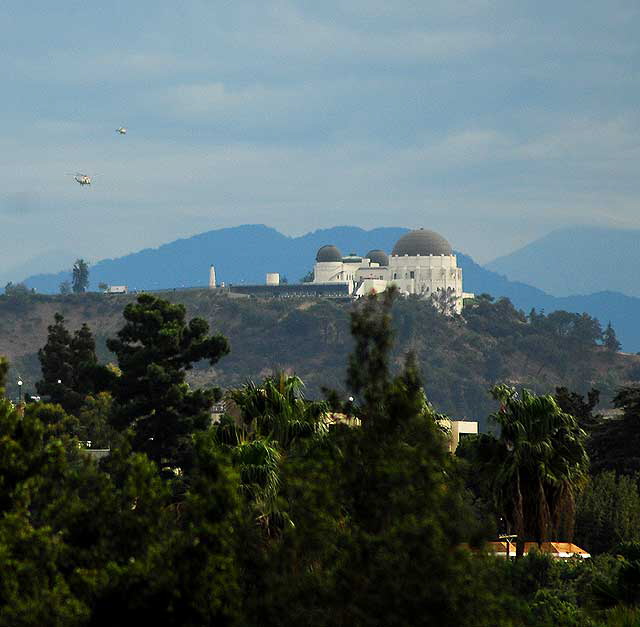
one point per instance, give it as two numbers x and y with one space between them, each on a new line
395 275
412 275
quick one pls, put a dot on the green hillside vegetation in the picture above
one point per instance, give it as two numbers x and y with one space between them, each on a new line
274 516
460 358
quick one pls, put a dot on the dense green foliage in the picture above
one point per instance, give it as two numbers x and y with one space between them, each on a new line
536 467
70 369
290 511
608 512
80 544
460 358
155 348
615 442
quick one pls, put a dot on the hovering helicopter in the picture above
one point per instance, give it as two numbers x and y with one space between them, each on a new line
122 130
83 179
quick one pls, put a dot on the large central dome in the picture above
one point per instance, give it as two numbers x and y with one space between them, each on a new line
422 242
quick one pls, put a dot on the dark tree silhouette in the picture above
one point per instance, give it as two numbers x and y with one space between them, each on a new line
80 277
70 369
155 348
609 339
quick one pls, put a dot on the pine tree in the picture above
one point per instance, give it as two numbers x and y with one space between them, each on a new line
80 280
70 369
56 361
155 348
610 340
403 511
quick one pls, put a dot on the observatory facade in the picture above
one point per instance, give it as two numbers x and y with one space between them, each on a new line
422 263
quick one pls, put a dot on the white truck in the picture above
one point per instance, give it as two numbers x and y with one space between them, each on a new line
116 289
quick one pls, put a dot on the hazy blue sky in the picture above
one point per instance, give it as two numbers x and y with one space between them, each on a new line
491 122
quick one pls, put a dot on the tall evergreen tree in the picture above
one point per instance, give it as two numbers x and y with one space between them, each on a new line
70 369
575 404
80 276
403 512
56 361
155 348
89 376
609 339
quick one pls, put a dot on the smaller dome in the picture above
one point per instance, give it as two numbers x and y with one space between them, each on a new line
328 253
378 256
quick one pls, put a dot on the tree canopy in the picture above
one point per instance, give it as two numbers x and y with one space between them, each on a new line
80 276
155 348
294 511
70 369
536 467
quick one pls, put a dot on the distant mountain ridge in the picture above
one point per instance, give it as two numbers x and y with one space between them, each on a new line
246 253
242 254
49 259
577 260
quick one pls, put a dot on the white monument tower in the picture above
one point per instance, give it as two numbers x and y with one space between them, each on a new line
212 277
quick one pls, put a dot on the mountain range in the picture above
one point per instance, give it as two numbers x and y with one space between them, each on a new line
577 260
244 254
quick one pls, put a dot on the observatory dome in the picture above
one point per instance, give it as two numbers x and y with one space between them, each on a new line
328 253
378 256
422 242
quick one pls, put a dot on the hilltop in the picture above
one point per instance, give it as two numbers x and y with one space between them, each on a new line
460 358
244 254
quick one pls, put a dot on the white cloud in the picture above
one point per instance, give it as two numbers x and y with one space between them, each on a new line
481 112
587 139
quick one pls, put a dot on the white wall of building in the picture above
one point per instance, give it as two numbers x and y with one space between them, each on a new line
424 275
272 278
366 286
328 271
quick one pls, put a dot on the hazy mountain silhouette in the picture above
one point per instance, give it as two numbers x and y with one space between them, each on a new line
577 260
247 253
49 260
240 254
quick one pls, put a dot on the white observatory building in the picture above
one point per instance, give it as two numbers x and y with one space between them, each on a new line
422 263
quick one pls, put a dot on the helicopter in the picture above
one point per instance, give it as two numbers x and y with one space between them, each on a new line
122 130
83 179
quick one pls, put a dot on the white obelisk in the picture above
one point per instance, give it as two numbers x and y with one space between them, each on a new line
212 277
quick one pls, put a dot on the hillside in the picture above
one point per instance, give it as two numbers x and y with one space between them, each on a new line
621 310
460 359
577 260
244 254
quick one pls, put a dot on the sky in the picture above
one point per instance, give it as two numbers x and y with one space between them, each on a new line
491 122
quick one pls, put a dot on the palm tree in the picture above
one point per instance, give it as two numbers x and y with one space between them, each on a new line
278 410
276 420
537 465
